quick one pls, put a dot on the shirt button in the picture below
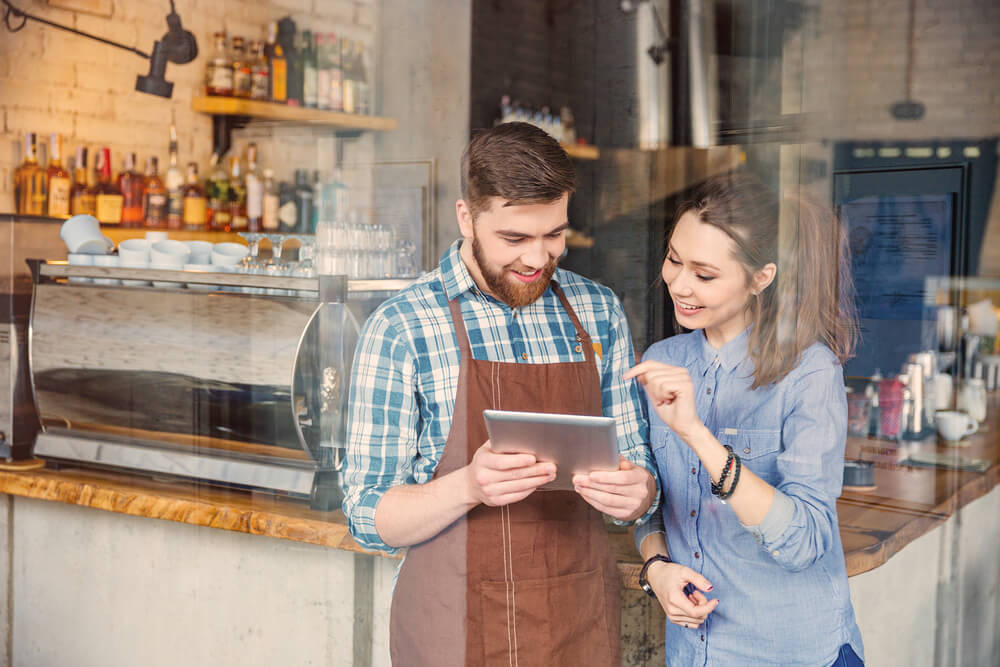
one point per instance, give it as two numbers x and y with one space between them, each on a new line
708 391
693 512
703 638
578 349
697 554
524 355
746 450
775 553
694 471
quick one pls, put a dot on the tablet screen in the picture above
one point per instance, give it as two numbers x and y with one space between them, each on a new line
575 443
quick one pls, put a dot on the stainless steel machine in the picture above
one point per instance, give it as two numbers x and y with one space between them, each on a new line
228 378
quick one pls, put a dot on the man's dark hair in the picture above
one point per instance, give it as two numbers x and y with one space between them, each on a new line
517 162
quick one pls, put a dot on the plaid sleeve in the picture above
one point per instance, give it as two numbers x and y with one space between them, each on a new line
381 426
622 400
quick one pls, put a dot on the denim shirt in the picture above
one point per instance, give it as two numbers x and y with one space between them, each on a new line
782 585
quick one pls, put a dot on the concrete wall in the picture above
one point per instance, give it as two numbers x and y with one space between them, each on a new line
936 602
846 66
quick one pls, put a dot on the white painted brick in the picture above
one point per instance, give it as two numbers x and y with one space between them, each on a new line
113 29
141 108
61 47
43 122
82 101
22 94
104 78
30 41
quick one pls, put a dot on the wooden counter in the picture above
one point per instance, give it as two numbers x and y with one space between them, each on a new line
906 503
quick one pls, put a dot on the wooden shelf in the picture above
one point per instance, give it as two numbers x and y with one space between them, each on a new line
232 106
119 234
582 151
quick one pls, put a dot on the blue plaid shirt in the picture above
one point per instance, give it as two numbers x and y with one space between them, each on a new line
406 374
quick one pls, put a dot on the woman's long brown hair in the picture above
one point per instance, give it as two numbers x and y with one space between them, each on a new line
812 296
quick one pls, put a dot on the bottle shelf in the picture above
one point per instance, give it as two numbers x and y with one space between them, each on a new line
582 151
254 109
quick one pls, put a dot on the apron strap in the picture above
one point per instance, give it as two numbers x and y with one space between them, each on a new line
458 322
581 334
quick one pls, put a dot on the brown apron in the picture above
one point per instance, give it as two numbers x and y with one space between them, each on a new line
532 583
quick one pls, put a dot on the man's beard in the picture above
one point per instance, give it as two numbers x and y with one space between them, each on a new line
504 288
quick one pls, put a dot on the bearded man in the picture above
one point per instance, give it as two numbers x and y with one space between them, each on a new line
496 571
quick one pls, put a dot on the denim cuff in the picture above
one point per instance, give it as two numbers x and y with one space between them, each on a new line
776 521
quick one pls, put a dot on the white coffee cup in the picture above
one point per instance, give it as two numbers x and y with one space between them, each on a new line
153 237
201 251
228 254
168 255
171 255
106 260
134 253
81 229
954 425
80 259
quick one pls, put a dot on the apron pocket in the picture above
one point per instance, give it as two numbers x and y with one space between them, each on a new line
552 621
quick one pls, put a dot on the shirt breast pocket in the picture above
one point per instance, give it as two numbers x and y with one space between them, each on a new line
758 449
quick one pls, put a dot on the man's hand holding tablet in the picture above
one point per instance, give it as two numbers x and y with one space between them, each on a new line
584 450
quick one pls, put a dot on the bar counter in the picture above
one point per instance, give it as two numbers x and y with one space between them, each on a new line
907 502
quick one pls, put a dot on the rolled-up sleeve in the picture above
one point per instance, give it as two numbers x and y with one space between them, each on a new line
799 527
622 400
381 427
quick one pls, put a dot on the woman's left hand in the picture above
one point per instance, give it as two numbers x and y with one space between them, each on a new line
671 393
624 494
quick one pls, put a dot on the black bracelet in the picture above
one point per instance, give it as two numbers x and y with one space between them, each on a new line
643 584
736 478
717 488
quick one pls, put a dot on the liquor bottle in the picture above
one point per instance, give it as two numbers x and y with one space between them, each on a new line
303 202
260 77
322 72
336 73
272 201
362 103
255 191
29 180
108 198
154 196
219 73
175 186
237 196
242 75
194 200
81 201
57 180
218 197
286 40
288 212
347 64
130 183
309 82
275 52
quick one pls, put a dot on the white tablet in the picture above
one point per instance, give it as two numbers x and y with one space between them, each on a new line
575 443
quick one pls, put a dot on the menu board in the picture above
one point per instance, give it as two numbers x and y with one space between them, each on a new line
896 241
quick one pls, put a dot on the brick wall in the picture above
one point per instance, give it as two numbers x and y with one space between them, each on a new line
847 67
53 81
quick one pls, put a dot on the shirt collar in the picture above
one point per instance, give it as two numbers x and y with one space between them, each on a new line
454 273
730 355
456 277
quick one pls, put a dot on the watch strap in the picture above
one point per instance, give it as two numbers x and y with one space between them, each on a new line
643 583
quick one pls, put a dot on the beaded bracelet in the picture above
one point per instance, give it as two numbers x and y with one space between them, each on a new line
730 457
736 479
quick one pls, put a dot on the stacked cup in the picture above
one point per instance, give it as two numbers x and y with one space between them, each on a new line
172 255
83 238
134 254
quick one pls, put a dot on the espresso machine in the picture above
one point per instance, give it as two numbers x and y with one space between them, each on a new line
227 378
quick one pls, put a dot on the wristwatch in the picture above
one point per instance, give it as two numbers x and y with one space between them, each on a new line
643 584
